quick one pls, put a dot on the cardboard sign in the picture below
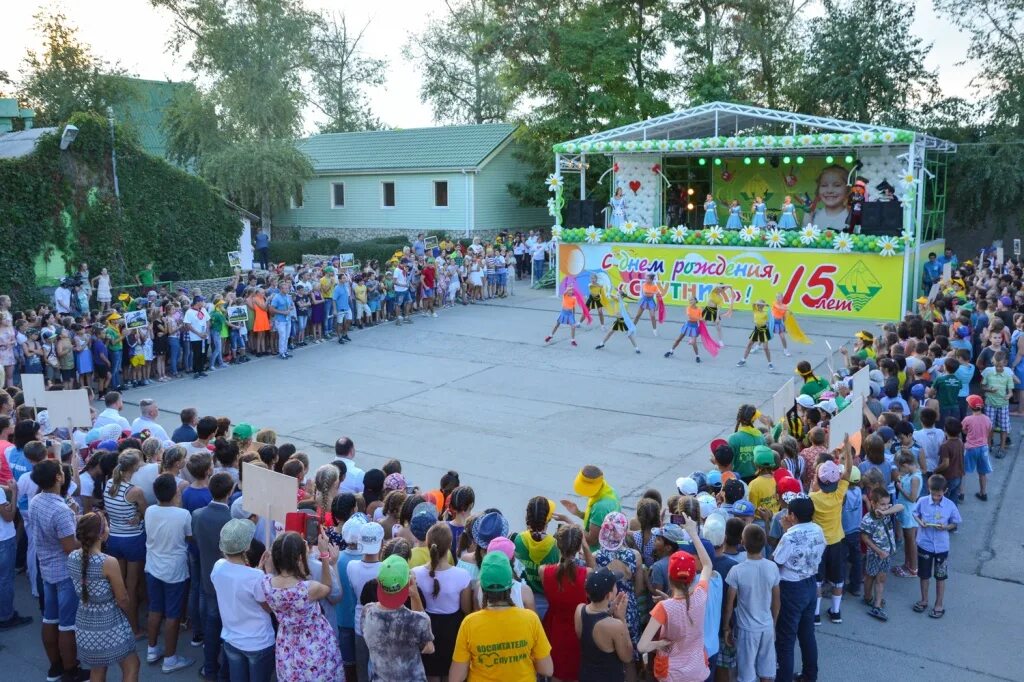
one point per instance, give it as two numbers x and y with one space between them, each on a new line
65 406
947 271
861 384
346 260
268 494
1016 247
783 399
235 259
238 313
848 421
33 386
135 319
999 255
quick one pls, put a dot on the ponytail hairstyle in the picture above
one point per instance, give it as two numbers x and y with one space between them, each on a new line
461 501
449 482
326 478
172 456
683 587
88 532
151 447
466 538
439 540
393 503
538 511
411 502
745 416
289 555
689 505
127 463
648 514
569 540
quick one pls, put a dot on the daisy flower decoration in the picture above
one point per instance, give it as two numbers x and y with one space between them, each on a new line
750 142
600 146
713 235
553 182
887 245
867 137
663 145
647 145
571 147
749 233
678 234
679 145
806 140
556 232
888 137
653 235
774 238
809 234
907 236
827 138
584 146
593 235
631 145
628 227
843 243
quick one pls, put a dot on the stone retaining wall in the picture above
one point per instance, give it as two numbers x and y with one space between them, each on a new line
356 234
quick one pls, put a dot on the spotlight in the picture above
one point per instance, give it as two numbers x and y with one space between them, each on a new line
785 159
849 159
829 159
718 162
689 191
760 160
689 207
746 160
702 162
799 159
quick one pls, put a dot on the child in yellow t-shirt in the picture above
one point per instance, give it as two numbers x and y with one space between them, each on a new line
761 334
761 491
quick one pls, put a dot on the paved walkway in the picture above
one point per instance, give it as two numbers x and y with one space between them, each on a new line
476 390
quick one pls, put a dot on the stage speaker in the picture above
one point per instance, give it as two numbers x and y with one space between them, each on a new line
882 217
583 213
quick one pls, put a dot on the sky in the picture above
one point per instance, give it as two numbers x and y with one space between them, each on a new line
134 34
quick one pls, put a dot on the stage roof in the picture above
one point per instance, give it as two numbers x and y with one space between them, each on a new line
722 119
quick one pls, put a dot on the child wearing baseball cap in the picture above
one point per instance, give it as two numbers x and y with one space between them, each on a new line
396 637
977 428
761 490
833 481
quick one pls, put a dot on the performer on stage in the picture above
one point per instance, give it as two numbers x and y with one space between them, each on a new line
760 213
618 204
616 305
779 312
735 221
710 212
570 299
595 298
787 221
694 329
761 333
651 299
712 312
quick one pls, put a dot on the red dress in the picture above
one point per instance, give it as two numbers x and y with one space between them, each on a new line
559 621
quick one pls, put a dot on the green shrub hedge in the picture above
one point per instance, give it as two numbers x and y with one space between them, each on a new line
381 248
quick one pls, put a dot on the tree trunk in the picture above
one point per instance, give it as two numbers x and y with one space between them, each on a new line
265 213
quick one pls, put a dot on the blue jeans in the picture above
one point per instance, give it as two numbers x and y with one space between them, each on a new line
953 489
282 327
854 560
217 352
188 355
174 346
538 270
213 664
249 666
115 368
796 622
328 316
8 548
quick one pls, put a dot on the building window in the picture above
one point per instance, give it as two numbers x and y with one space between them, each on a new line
337 195
440 194
297 199
387 194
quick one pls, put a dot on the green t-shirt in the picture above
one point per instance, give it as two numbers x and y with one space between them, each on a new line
113 339
814 388
533 555
947 389
218 322
1002 382
147 277
743 443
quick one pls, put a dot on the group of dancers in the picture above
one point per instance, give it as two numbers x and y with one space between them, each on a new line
759 209
773 320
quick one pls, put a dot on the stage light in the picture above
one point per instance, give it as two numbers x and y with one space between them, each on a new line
702 162
799 159
849 159
829 159
718 162
746 160
689 207
689 191
760 160
785 159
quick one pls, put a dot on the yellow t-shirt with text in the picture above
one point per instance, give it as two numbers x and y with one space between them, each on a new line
828 512
761 493
501 645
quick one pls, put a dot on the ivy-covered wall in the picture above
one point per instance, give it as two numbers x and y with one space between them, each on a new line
66 199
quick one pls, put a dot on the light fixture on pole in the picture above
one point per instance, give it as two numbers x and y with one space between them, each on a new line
68 136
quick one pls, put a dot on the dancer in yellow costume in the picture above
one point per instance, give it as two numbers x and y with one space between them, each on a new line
712 312
616 305
761 333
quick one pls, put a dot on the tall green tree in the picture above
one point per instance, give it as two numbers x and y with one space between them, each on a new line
341 72
66 76
254 54
865 64
460 62
708 63
768 47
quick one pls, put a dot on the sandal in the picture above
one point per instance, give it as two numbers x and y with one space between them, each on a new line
871 603
937 613
920 606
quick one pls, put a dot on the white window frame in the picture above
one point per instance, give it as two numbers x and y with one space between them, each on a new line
447 196
343 188
394 192
298 207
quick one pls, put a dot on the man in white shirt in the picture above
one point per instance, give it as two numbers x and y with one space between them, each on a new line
112 415
197 323
62 299
539 249
403 298
345 450
147 420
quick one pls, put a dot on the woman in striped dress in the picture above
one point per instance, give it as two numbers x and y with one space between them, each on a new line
125 506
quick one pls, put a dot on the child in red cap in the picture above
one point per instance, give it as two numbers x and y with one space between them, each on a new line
978 430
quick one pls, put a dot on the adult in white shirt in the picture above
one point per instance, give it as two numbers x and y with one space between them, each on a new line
147 420
112 415
196 322
539 249
62 300
345 450
246 630
476 247
403 298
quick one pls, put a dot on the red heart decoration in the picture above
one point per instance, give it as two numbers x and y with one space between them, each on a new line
634 185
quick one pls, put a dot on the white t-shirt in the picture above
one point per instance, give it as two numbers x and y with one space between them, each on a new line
144 478
453 581
244 623
360 573
199 321
353 482
27 489
401 281
166 546
6 527
111 416
155 429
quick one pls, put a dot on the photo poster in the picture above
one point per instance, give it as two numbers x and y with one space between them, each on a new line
431 245
235 259
68 408
947 272
861 383
782 401
1016 247
848 421
238 313
33 387
346 260
135 319
999 256
268 494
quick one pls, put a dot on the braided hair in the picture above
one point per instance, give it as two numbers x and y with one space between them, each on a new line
88 532
439 540
537 511
326 478
569 540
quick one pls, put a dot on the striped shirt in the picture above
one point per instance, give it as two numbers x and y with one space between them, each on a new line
121 512
50 519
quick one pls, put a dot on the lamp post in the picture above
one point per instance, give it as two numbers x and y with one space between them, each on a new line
113 158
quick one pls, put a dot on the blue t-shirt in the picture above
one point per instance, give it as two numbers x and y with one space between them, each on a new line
346 608
281 302
852 513
965 373
341 296
192 499
419 247
262 240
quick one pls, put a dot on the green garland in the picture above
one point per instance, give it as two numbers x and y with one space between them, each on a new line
739 144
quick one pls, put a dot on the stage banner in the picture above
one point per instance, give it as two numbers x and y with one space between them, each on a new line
811 281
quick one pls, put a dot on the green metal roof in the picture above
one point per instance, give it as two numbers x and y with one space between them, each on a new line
457 147
144 112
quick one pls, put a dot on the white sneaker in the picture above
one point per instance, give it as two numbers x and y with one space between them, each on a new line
176 663
741 363
604 327
637 351
771 366
154 654
433 314
655 332
787 353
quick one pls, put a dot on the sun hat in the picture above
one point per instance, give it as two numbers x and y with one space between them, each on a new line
922 300
488 527
395 481
244 431
743 508
781 473
672 532
114 316
707 504
805 401
393 582
503 545
423 517
371 537
918 390
686 486
865 335
613 531
963 332
495 573
682 566
787 485
1006 300
829 406
788 497
975 402
886 433
599 584
764 456
236 536
585 486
